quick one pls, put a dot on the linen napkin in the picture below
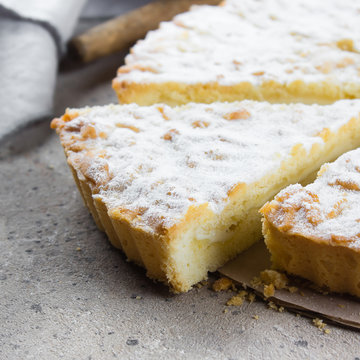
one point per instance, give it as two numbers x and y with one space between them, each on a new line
32 37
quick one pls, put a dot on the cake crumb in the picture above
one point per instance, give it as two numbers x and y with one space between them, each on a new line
222 284
269 290
251 297
320 325
138 297
202 283
225 311
281 309
274 277
256 281
273 280
238 299
272 306
242 293
298 315
341 306
256 317
78 249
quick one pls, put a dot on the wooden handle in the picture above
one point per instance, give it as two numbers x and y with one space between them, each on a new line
120 32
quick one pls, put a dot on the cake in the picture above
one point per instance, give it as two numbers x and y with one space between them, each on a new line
279 51
178 189
314 231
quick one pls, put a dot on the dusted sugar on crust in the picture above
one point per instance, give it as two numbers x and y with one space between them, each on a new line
280 51
178 189
314 231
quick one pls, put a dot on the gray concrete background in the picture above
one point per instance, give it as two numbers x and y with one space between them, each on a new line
66 293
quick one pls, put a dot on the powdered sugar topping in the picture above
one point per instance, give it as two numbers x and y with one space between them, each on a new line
254 41
329 208
162 160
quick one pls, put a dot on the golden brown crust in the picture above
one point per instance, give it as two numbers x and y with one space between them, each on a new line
173 93
143 247
324 263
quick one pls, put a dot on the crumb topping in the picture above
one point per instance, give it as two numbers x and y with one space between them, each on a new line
207 44
155 167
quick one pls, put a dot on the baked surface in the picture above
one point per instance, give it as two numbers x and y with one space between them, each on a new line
261 50
179 189
314 231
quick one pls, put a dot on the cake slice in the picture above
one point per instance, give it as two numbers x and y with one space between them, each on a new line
179 189
279 51
314 231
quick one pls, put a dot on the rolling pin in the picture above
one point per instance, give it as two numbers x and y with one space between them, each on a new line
121 32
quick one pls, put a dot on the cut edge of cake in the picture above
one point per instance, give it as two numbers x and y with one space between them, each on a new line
174 94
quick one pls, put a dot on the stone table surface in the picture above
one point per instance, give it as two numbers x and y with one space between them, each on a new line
66 293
